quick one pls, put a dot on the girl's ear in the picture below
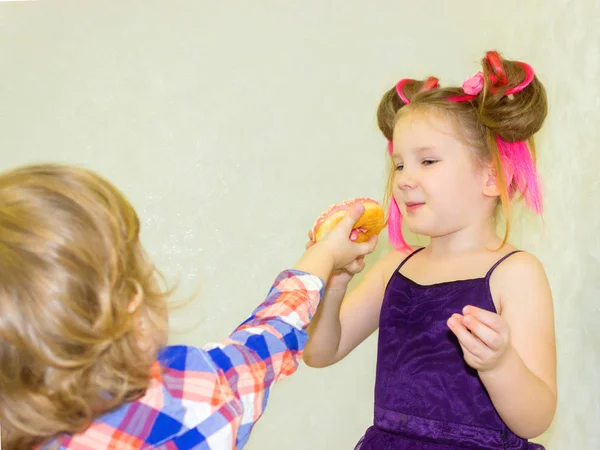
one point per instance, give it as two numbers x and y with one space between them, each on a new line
490 188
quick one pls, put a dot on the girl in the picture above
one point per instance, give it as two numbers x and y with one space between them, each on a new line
466 352
83 361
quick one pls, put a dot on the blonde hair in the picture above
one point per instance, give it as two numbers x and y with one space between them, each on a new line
489 115
82 313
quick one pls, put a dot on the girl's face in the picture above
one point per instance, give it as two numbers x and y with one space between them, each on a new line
438 185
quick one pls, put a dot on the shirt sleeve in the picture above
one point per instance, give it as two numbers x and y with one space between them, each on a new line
268 345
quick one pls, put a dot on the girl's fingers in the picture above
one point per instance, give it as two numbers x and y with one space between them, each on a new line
489 337
488 318
469 342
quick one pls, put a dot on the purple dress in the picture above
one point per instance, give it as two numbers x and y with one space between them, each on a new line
426 396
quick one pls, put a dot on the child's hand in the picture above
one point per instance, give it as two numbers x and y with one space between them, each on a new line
484 337
339 279
344 251
336 251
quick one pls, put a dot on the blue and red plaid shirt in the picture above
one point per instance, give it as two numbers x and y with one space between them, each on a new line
210 398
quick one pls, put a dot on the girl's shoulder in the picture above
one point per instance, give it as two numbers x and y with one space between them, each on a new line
518 264
519 278
390 263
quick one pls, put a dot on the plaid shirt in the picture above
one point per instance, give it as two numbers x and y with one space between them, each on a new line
210 398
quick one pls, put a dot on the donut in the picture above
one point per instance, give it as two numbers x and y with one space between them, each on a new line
369 224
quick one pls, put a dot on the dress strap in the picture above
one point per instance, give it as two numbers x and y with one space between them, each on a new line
408 257
489 274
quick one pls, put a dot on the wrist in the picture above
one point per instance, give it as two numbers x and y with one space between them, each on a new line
503 367
318 261
339 280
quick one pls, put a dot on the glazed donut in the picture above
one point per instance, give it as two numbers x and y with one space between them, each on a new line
369 224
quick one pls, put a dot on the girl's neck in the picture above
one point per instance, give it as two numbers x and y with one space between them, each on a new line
476 238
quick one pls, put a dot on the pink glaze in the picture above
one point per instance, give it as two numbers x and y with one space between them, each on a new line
340 207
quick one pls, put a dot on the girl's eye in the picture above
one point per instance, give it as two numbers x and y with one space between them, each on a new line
399 166
429 162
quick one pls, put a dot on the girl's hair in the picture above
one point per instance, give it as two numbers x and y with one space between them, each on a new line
496 112
82 314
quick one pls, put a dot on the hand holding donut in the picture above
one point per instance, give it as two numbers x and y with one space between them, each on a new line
367 226
370 223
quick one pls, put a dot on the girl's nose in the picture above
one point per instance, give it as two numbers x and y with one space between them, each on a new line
405 179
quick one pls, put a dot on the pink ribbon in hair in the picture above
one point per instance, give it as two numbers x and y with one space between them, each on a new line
473 85
520 173
430 83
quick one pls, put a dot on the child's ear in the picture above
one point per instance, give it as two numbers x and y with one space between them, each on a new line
490 188
135 302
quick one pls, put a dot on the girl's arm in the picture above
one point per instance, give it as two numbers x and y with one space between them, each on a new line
343 321
523 389
514 351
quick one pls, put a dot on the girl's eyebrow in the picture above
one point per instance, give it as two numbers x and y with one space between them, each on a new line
420 149
424 148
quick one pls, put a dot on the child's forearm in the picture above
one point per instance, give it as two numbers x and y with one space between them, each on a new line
274 335
325 329
523 400
266 347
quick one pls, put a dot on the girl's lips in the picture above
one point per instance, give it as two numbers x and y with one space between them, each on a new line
411 206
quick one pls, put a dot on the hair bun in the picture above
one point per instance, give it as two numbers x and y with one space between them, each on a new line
514 117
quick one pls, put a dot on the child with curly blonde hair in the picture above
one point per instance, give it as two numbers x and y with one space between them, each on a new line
84 361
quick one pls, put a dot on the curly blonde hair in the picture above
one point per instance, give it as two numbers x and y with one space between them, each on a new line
82 312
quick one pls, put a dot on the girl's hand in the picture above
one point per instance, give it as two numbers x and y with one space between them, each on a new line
484 337
336 249
340 279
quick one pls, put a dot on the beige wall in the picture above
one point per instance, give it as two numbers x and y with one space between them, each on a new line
207 112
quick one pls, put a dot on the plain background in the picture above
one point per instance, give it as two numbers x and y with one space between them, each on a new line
231 125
